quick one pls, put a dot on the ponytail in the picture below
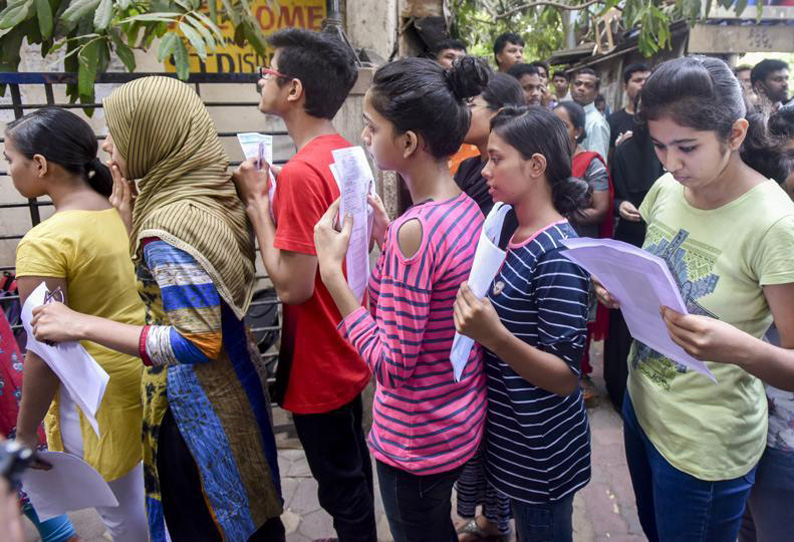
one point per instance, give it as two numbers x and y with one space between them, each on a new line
65 139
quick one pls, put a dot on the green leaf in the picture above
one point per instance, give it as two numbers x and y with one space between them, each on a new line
213 7
123 4
209 39
195 40
167 45
209 23
231 12
88 59
159 16
124 52
181 60
103 15
44 13
77 10
15 12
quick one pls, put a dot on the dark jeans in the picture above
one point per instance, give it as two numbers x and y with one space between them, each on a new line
674 506
548 522
419 508
186 514
769 508
336 450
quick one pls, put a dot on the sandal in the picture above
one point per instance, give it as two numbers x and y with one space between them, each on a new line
471 528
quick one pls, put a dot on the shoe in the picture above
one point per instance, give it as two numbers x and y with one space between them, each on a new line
589 392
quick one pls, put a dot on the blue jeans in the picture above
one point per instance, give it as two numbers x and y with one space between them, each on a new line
674 506
771 503
418 508
549 522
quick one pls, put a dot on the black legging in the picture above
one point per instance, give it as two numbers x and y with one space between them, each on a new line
185 509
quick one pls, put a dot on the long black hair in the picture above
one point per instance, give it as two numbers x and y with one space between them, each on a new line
703 94
502 90
417 94
536 130
64 139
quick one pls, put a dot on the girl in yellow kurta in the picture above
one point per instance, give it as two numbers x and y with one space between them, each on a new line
81 249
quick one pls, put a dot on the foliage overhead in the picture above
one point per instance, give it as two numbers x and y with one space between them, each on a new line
89 31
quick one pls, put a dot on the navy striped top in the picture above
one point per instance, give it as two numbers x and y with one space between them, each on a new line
538 443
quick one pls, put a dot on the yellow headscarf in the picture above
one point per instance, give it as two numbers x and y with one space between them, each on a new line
186 197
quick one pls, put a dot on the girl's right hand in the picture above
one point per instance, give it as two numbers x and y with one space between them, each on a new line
123 195
603 295
380 219
629 212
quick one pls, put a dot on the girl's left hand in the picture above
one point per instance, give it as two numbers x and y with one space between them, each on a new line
330 244
56 323
707 338
476 318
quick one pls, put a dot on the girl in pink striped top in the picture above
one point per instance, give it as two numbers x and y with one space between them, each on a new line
425 425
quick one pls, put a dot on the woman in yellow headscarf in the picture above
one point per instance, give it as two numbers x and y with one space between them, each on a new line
209 453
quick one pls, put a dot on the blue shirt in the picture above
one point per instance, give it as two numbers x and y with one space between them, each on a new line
597 129
538 443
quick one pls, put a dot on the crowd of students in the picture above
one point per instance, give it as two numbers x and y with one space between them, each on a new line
154 258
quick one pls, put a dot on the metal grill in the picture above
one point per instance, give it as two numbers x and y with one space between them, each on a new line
50 80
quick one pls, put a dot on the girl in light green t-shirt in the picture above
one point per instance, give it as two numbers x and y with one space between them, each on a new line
726 232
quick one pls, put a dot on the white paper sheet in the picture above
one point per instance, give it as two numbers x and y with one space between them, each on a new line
488 259
354 176
84 379
260 147
71 484
641 282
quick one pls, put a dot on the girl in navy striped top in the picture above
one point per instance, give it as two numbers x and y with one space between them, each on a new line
533 324
426 425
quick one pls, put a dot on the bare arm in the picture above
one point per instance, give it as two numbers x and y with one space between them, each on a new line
597 212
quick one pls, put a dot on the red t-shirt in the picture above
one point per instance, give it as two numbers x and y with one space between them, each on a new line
326 372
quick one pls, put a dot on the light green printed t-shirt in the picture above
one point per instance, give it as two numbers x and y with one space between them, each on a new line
721 259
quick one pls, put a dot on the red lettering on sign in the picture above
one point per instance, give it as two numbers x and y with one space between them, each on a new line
315 16
295 20
265 17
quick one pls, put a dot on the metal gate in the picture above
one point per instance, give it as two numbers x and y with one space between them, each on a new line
50 80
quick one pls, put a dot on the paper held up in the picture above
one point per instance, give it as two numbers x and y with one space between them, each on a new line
71 484
642 283
260 148
82 377
488 259
354 177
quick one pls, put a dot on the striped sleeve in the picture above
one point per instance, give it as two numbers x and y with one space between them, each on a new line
192 304
562 289
390 339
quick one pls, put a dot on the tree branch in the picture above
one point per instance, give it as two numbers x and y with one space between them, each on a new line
551 3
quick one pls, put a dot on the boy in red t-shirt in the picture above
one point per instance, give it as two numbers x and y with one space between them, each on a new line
320 375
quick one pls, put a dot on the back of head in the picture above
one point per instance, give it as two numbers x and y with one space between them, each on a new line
577 116
502 90
417 94
520 70
62 138
781 123
703 94
503 39
765 68
450 43
539 64
742 68
536 130
631 69
325 66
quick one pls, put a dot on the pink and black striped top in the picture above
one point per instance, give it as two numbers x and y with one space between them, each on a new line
423 421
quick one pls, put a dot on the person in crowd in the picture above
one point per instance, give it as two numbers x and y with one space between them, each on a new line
447 51
59 528
742 73
585 90
601 105
543 71
766 517
592 220
528 77
320 376
211 470
621 123
426 426
472 487
634 169
80 254
508 49
562 84
770 81
532 324
687 436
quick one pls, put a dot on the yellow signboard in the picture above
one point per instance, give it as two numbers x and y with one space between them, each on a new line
229 58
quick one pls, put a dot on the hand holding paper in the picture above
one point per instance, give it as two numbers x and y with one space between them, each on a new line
642 284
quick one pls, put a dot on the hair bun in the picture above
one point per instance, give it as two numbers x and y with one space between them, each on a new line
467 77
571 195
